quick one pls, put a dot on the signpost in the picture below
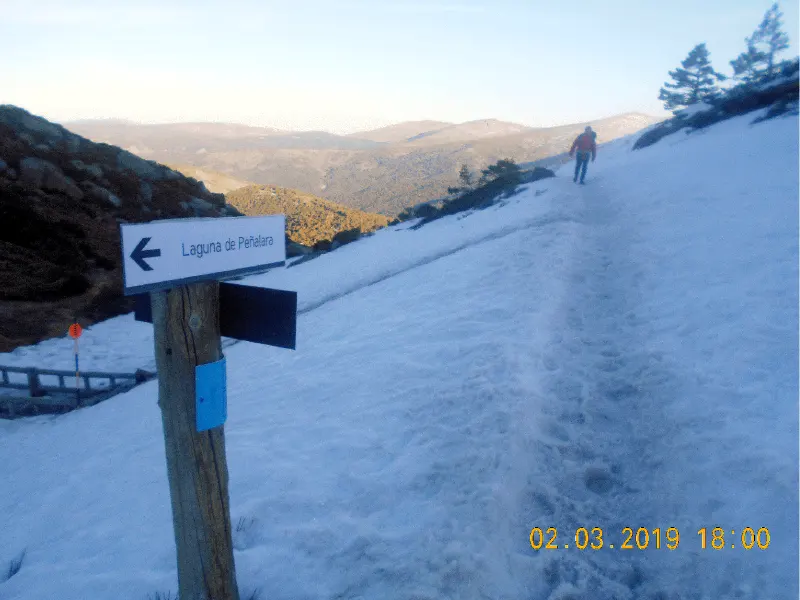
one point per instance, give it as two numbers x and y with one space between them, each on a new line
251 314
162 254
180 262
75 331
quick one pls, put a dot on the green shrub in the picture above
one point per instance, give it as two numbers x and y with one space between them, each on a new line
505 168
425 211
322 246
347 236
405 215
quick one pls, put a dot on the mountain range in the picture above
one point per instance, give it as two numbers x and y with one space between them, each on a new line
384 170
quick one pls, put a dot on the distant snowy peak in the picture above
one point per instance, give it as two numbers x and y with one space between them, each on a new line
639 118
471 130
629 120
400 132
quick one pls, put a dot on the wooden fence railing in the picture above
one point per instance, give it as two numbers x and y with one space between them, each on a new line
67 394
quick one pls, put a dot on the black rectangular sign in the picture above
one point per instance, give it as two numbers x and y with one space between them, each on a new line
252 314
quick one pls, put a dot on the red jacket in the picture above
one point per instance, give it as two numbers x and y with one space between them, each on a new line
584 142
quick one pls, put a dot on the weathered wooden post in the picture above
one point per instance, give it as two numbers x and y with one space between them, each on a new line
34 388
179 262
186 331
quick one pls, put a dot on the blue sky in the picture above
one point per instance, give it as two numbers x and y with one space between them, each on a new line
355 64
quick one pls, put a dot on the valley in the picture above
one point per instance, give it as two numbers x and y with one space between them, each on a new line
380 171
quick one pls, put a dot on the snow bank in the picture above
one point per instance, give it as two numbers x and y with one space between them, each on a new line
693 109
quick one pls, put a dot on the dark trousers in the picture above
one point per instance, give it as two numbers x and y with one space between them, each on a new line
581 163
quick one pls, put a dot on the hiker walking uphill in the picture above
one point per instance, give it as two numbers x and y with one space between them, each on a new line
585 144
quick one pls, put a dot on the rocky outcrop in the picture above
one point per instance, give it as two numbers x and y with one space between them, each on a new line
198 205
43 174
91 170
62 198
142 168
101 193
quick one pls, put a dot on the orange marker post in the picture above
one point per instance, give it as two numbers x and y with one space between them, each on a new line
75 331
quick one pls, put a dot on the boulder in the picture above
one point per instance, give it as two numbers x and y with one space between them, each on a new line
32 170
143 168
73 144
101 193
45 175
39 125
230 211
91 170
146 192
200 205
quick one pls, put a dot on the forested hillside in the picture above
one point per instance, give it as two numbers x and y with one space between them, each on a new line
309 219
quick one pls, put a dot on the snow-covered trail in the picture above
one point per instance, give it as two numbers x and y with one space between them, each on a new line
594 443
432 486
675 374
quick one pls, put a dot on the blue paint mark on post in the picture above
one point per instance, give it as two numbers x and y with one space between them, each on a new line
211 401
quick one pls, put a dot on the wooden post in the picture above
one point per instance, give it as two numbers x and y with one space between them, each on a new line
186 331
33 383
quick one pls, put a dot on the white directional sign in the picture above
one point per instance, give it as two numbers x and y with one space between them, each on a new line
163 254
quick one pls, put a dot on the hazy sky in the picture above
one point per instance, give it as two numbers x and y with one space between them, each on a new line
354 64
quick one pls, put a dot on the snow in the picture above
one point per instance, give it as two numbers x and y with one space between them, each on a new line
622 354
693 109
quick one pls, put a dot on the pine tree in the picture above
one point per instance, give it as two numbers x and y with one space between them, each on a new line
745 66
506 168
465 176
770 37
694 81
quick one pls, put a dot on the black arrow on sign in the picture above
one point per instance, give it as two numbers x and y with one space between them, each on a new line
139 253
